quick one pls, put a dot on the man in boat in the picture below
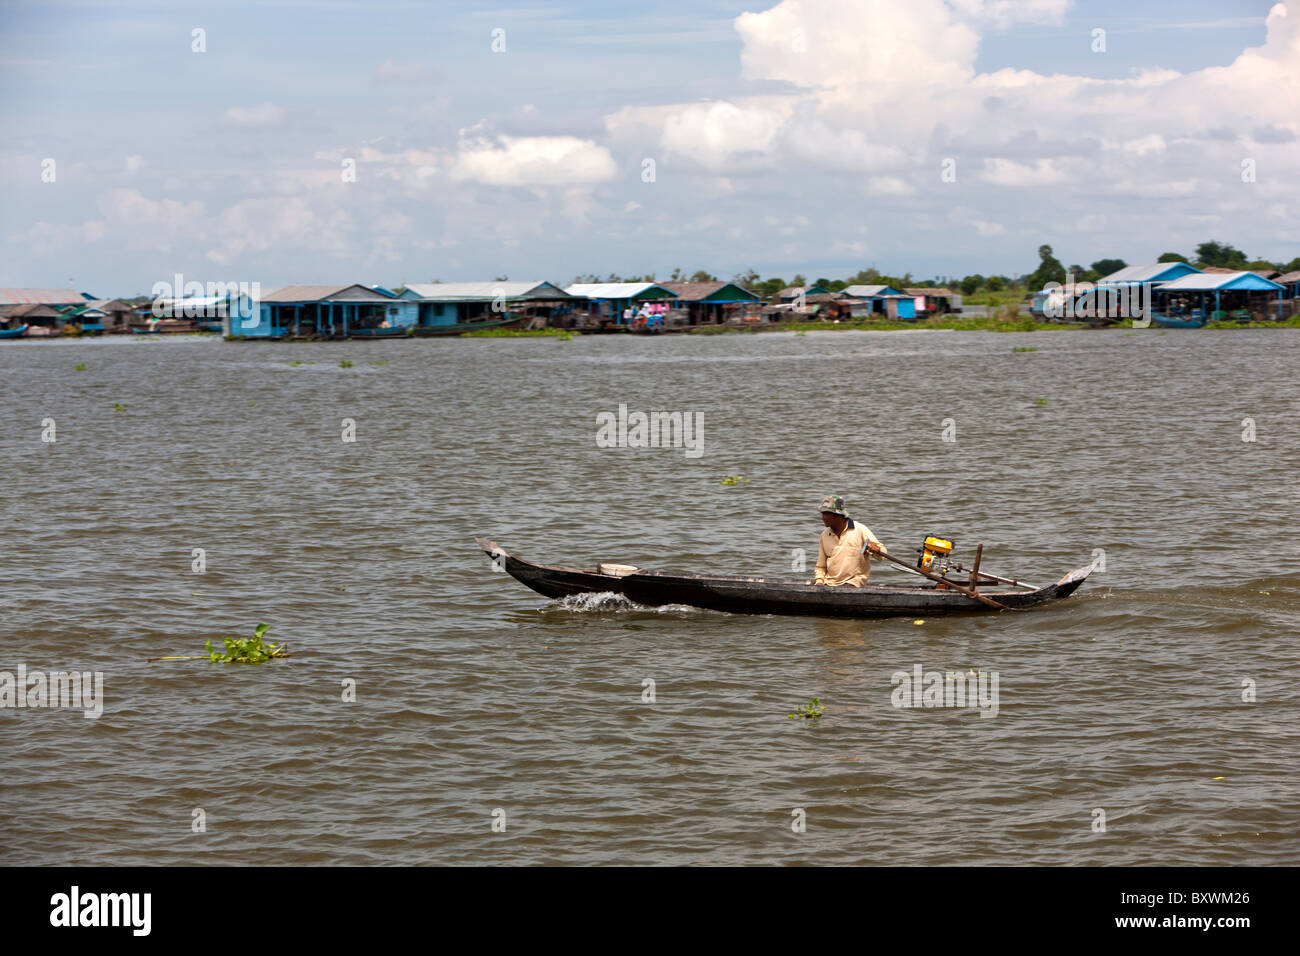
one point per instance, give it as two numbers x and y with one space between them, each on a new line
843 548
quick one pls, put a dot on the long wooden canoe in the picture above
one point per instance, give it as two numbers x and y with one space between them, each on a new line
759 595
551 580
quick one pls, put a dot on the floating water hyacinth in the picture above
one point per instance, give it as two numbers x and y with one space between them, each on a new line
1040 401
345 364
246 650
735 480
1024 348
811 710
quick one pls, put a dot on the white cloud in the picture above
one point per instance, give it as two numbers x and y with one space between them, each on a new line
889 186
268 114
289 223
532 161
1007 172
716 134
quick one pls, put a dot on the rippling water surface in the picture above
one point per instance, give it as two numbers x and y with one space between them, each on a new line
474 693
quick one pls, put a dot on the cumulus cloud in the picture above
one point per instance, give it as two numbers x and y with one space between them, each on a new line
260 225
532 161
717 134
268 114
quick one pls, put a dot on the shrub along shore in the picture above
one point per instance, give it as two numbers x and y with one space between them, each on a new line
955 323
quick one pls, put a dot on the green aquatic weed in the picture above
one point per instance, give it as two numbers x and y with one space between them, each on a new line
346 363
249 650
811 710
735 480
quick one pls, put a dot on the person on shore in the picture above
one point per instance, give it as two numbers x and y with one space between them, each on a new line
843 547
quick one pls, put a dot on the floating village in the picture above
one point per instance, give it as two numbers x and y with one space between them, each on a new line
1163 294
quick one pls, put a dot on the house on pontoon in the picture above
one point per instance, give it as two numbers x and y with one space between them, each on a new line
322 311
458 303
609 300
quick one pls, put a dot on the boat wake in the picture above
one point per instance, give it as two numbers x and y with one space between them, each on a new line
606 602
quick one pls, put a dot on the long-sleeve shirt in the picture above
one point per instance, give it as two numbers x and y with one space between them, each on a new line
840 559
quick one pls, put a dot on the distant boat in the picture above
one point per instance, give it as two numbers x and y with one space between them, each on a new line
460 328
13 333
393 332
1192 321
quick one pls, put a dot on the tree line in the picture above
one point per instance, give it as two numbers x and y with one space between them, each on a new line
1050 269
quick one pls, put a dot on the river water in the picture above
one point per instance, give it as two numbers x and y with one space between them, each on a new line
479 702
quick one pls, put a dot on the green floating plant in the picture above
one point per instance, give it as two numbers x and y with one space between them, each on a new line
1040 401
119 407
346 363
380 362
811 710
249 650
80 367
735 480
1024 348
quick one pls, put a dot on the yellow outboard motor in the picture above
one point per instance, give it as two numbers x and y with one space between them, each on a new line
933 546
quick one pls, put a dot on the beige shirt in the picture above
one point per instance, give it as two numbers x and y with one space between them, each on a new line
840 559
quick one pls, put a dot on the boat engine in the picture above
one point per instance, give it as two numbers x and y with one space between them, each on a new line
934 555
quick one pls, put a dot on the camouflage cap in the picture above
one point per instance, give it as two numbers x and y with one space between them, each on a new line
834 504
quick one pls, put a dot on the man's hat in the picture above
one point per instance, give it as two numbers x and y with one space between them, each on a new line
834 504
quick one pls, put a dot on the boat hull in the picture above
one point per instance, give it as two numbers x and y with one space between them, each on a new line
13 333
550 580
754 595
740 595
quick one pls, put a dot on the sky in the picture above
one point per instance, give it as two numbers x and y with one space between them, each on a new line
295 141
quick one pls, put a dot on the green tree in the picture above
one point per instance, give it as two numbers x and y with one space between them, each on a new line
1292 266
1172 257
1049 269
971 283
1220 254
995 283
747 279
1107 266
700 275
798 280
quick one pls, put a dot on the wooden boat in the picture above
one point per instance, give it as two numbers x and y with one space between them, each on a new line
757 595
13 333
1193 320
460 328
550 580
379 333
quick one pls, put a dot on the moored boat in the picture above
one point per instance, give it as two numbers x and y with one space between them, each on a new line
759 595
17 333
460 328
